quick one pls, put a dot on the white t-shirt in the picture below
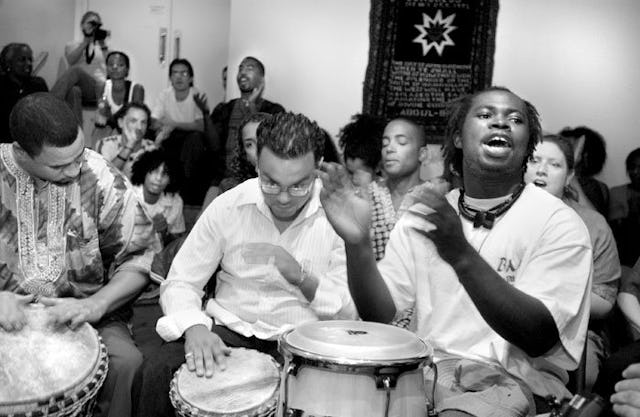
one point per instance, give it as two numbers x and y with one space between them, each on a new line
185 111
540 246
168 205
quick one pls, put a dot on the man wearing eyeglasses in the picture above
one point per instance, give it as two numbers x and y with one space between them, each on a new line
281 265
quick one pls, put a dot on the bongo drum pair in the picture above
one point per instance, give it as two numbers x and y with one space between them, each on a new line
332 368
50 371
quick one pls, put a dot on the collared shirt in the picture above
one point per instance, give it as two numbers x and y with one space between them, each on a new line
254 300
540 246
71 241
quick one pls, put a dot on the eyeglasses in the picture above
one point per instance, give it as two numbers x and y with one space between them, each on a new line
271 188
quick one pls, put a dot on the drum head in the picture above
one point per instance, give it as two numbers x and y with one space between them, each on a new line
248 386
347 341
41 361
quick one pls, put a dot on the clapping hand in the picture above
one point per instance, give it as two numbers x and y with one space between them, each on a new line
201 101
346 206
263 253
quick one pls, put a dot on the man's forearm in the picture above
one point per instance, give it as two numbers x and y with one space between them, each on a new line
368 290
122 288
518 317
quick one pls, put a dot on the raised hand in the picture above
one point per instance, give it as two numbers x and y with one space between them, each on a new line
202 349
347 207
12 306
428 203
263 253
201 101
72 311
626 400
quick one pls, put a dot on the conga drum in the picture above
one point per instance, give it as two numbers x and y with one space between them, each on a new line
248 387
353 369
50 371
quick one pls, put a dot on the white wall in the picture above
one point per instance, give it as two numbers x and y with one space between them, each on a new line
315 54
578 61
45 25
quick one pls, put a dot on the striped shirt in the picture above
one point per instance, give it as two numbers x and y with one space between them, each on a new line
254 300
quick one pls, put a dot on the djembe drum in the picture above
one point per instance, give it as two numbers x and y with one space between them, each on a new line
50 371
248 387
346 368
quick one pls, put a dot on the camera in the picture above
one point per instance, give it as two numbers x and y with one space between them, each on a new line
99 34
580 406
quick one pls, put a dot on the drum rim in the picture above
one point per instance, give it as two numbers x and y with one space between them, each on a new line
187 409
425 357
58 404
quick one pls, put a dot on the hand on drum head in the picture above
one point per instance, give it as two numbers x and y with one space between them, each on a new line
203 349
347 207
12 305
72 311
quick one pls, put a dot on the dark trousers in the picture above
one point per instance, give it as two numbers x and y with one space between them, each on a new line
150 393
188 152
611 371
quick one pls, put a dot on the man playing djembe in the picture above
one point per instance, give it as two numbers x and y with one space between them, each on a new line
73 236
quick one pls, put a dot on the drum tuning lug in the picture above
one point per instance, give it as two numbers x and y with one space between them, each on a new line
386 382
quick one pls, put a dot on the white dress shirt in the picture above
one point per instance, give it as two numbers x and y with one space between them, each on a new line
254 299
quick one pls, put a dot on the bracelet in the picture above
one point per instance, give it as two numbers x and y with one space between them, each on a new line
121 158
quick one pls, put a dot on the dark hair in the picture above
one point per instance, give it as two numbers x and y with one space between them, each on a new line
122 54
291 135
565 146
331 153
257 61
184 62
422 135
594 152
631 157
151 160
122 111
241 169
6 55
362 138
42 119
458 111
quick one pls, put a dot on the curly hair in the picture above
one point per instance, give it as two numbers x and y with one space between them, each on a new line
150 161
240 167
290 135
594 152
458 111
362 138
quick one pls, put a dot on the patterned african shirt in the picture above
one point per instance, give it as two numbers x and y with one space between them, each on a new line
383 217
67 241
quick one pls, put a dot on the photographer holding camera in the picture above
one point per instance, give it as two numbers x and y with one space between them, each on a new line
84 81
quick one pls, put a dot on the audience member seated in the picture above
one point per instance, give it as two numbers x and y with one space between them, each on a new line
551 169
226 118
498 271
617 362
245 155
16 81
272 242
361 144
624 211
124 148
155 182
83 82
97 239
178 118
590 155
118 91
